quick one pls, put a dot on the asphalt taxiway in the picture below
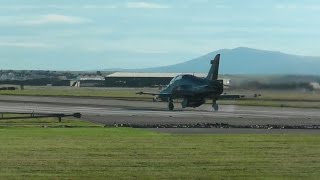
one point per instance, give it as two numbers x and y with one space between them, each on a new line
111 111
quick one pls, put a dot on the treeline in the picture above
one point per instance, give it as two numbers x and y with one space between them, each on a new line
35 74
38 82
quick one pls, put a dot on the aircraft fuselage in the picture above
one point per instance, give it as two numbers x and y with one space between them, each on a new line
193 90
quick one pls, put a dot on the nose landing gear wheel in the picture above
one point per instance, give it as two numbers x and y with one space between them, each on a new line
170 104
215 107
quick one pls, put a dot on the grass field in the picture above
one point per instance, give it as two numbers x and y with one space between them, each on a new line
89 151
273 103
274 95
74 92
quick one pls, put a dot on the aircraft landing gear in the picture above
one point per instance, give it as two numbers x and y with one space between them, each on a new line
215 107
170 104
184 103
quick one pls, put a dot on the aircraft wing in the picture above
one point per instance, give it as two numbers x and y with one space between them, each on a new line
153 94
232 97
177 91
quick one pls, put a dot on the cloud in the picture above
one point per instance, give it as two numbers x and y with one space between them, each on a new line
297 7
312 7
286 6
141 46
220 6
41 19
145 5
89 6
24 45
56 19
130 5
33 7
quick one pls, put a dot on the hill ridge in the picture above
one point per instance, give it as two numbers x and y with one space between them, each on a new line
243 60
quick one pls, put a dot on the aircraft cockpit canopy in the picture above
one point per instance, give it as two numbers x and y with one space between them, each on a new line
175 79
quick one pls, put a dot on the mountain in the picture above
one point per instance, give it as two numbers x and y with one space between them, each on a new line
247 61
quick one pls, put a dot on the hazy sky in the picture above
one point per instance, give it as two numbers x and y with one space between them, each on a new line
101 34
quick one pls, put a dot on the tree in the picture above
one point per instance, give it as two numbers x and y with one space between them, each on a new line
99 73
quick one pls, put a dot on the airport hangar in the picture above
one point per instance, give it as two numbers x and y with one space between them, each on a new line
136 79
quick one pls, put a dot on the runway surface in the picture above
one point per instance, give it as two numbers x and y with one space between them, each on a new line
109 111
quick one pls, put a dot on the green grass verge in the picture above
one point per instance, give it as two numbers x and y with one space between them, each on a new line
77 92
89 152
45 123
269 103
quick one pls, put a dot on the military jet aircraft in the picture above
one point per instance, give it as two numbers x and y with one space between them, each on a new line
195 90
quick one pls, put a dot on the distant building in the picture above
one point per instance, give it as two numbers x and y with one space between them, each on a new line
88 81
315 85
133 79
90 78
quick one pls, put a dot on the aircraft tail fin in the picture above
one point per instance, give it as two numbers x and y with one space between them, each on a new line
214 70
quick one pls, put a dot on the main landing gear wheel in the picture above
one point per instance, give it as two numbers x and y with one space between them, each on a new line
171 106
215 107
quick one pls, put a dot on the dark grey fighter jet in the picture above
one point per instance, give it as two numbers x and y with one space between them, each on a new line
195 90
